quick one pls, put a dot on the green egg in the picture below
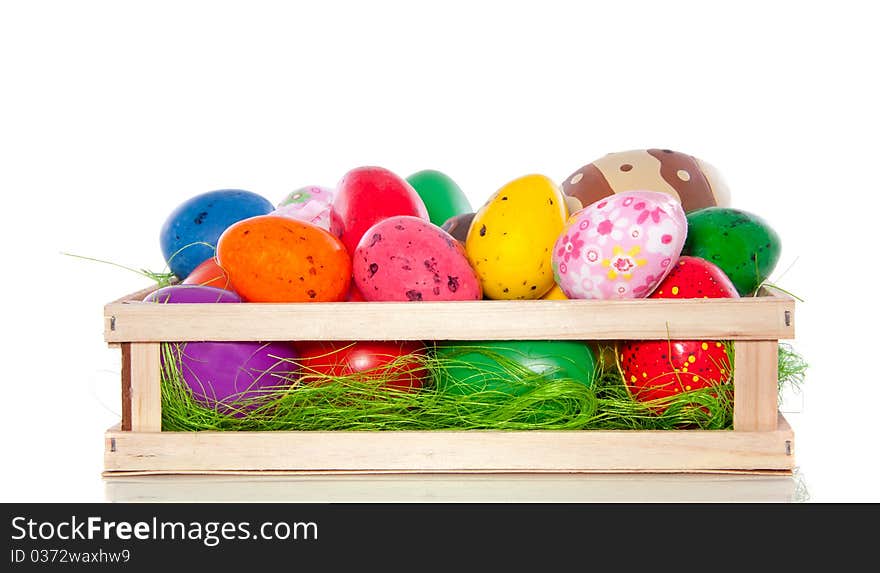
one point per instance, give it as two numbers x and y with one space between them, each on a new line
441 195
740 243
511 366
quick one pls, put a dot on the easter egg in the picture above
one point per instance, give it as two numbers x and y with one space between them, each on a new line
655 369
223 374
367 195
693 277
443 198
458 226
310 204
190 233
741 244
620 247
512 235
409 259
475 366
277 259
555 293
191 293
695 183
396 364
354 294
208 273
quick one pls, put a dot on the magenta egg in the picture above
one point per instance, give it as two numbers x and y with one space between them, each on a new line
226 375
406 258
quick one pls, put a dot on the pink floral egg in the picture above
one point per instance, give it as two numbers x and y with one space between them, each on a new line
310 204
620 246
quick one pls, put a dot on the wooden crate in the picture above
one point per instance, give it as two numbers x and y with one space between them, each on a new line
761 440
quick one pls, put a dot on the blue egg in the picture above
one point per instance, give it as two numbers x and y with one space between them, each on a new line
202 219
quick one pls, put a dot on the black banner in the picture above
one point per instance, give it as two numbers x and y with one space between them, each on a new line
208 536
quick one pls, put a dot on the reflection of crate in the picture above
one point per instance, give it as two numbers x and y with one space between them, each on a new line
761 440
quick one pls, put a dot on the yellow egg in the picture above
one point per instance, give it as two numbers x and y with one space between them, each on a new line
511 238
555 293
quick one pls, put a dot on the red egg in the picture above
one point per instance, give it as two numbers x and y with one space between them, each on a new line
693 277
654 369
277 259
209 273
367 195
409 259
386 361
659 369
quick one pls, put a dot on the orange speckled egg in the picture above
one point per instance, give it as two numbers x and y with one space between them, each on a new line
276 259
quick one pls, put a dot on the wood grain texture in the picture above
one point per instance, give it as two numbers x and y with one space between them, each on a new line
125 348
646 319
755 388
146 392
463 451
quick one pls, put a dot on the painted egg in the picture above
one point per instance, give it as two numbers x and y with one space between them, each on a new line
443 198
695 183
354 294
276 259
512 236
208 273
398 365
226 375
310 204
458 226
649 361
620 247
409 259
555 293
654 369
475 366
367 195
693 277
742 244
190 233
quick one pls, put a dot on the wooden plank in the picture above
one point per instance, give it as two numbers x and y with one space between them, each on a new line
755 385
442 451
455 488
146 392
126 385
646 319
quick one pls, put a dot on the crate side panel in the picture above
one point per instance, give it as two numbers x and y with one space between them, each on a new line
654 319
568 451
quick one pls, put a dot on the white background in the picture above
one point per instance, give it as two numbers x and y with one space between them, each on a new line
112 113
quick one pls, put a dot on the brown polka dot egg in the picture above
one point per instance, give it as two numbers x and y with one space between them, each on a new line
692 181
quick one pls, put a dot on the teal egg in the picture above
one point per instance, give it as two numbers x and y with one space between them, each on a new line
442 196
511 366
741 244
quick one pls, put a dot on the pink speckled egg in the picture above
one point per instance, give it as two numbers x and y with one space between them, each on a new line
620 246
310 204
406 258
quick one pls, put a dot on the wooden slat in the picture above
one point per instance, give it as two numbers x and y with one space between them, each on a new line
146 394
429 452
126 385
730 319
458 487
755 385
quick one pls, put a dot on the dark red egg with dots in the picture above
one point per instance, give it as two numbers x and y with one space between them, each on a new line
395 364
209 273
367 195
409 259
693 277
655 370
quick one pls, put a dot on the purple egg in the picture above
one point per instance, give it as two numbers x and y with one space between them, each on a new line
222 374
